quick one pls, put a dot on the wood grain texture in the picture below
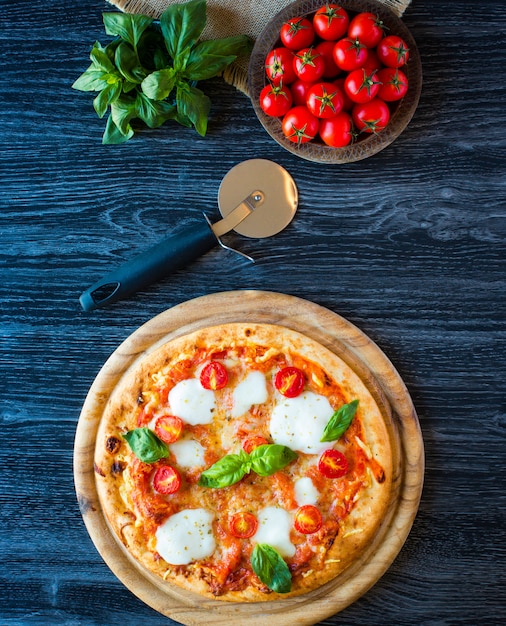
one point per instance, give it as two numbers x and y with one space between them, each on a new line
408 245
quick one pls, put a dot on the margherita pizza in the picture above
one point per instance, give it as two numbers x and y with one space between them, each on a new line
244 462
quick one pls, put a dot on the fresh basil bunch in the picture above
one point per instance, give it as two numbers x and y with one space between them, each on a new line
264 461
149 71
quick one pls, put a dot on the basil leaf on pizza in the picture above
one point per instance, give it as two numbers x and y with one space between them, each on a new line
227 471
271 568
269 458
146 446
340 421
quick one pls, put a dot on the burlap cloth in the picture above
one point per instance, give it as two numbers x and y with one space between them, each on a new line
232 17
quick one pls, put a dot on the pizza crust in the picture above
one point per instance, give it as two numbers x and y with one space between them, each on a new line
358 532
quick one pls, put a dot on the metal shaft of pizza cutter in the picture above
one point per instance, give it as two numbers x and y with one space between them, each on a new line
170 254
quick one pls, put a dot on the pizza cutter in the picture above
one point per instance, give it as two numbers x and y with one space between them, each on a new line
257 198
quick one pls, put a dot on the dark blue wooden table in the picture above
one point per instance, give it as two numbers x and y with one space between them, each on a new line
408 245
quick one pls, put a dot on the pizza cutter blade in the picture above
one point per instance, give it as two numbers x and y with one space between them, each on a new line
257 198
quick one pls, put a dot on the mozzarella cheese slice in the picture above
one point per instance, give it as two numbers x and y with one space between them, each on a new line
274 525
252 390
192 403
299 422
305 491
186 536
188 453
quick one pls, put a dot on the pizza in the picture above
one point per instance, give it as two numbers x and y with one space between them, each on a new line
244 462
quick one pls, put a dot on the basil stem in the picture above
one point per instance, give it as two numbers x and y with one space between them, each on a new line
271 568
146 446
340 421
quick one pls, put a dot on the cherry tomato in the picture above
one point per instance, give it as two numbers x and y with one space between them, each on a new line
299 125
214 376
372 63
324 100
368 28
337 131
279 66
333 464
331 22
309 65
350 54
326 49
393 51
166 480
371 117
253 442
308 519
297 33
276 100
299 89
243 525
169 428
347 101
290 381
394 84
360 86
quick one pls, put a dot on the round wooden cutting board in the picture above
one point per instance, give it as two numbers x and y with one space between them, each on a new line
351 345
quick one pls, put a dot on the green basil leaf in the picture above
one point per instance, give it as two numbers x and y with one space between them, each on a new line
126 25
90 80
193 104
158 85
154 113
146 445
107 96
339 422
182 25
211 57
225 472
113 136
271 568
101 59
128 63
122 111
271 457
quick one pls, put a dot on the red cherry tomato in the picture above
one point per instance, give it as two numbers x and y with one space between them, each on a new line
169 428
368 28
337 131
299 125
393 51
347 102
308 519
371 117
324 100
360 86
309 65
331 22
297 33
372 63
279 66
166 480
299 89
253 442
243 525
350 54
290 381
214 376
333 464
394 84
276 100
326 49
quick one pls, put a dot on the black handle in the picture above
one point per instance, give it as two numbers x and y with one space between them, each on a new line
171 254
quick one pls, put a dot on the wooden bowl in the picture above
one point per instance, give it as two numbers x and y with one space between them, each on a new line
401 112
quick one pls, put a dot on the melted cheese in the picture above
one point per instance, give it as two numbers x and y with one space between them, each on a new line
252 390
192 403
274 525
305 491
299 422
186 536
188 453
